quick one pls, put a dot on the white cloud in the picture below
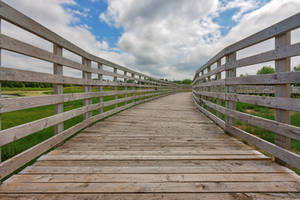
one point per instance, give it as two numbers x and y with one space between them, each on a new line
174 38
51 14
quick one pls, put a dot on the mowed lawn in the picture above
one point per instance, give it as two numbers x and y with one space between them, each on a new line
16 118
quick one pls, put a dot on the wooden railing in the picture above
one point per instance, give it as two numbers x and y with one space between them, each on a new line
134 87
210 89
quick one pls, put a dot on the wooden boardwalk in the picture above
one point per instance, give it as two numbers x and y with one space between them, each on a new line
164 149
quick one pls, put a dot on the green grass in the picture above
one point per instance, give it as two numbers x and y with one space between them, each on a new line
267 113
16 118
12 119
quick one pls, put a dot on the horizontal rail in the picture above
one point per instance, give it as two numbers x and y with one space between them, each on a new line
210 90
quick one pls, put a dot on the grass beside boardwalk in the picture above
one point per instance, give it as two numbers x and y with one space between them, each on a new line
15 118
267 113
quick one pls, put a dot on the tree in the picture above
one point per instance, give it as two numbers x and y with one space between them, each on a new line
187 81
266 70
297 68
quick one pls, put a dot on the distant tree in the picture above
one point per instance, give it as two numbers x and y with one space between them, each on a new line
243 75
266 70
297 68
187 81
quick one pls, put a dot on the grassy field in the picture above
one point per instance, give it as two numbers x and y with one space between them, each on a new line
15 118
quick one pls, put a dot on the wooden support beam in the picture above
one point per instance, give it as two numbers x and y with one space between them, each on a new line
133 88
140 83
230 60
100 88
125 88
219 88
87 76
0 97
115 88
58 88
282 65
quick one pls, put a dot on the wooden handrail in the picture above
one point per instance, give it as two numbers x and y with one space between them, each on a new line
208 85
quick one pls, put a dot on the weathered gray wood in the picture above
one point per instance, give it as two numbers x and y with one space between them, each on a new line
7 74
281 153
133 89
20 103
282 65
280 53
230 61
21 159
125 88
155 196
283 103
280 128
17 132
115 88
58 88
100 88
168 187
87 88
0 94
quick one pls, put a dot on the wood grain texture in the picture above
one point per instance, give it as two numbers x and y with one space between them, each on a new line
170 149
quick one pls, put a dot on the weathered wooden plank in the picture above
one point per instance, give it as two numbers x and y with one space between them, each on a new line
236 152
156 166
154 157
155 196
148 178
7 74
216 187
266 79
283 103
280 128
280 53
13 104
281 153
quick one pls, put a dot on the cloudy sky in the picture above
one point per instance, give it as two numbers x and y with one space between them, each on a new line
163 38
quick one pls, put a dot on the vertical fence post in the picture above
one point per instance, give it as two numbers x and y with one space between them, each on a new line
133 88
58 88
282 65
100 88
116 87
208 88
125 88
230 61
140 84
0 97
87 88
219 88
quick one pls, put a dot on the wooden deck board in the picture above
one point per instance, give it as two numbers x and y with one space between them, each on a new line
153 151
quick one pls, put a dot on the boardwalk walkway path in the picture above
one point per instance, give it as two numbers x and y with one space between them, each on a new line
164 149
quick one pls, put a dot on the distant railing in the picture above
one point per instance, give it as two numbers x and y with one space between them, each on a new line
134 88
210 90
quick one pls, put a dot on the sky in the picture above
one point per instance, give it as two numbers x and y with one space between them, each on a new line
165 39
